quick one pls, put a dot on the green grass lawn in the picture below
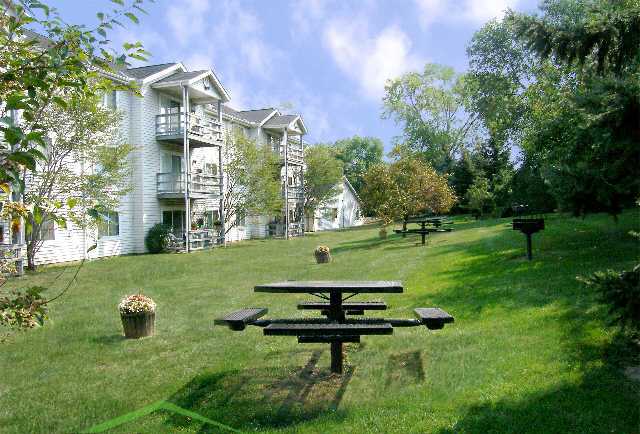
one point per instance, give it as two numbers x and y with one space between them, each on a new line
529 351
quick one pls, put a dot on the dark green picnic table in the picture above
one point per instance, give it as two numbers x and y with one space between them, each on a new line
338 326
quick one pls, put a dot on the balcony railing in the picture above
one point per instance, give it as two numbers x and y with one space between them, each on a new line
201 128
172 185
295 192
294 154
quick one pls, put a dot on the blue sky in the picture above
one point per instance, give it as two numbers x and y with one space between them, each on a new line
325 59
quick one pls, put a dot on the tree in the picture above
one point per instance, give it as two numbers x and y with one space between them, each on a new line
430 106
86 169
404 188
252 175
358 154
462 176
36 69
606 33
479 197
322 176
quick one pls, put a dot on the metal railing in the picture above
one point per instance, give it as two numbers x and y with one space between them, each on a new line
200 127
174 183
295 192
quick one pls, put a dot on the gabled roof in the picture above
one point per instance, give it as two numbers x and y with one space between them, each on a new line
284 121
353 190
182 76
256 116
147 71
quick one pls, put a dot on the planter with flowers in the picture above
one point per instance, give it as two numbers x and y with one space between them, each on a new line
138 314
322 254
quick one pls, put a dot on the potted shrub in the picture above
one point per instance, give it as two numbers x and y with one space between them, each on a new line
383 232
138 314
322 254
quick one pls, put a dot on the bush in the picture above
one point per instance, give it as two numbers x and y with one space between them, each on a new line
621 291
157 239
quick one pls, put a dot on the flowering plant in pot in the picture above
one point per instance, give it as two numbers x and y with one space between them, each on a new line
138 314
322 254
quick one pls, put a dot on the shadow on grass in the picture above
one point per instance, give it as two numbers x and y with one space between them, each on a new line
253 399
492 277
601 401
109 339
371 243
405 369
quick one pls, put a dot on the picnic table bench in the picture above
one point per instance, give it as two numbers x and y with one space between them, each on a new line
337 327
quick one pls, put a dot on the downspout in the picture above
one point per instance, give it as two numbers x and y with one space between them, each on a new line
221 174
304 215
187 166
19 237
286 184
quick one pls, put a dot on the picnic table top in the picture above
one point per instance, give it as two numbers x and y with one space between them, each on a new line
357 286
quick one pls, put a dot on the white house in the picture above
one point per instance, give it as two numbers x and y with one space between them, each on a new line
342 211
178 127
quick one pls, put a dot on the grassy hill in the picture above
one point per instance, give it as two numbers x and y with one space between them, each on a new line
529 351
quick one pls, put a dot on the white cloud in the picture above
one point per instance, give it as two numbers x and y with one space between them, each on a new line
370 59
474 11
187 19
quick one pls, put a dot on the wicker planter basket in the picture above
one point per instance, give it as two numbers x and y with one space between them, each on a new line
138 325
382 233
322 258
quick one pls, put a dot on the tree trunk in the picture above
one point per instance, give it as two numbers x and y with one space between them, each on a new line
31 256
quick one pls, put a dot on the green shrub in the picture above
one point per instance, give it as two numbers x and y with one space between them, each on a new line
157 239
621 291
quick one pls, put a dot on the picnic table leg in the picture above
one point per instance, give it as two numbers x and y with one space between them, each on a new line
424 236
529 253
336 357
404 229
336 314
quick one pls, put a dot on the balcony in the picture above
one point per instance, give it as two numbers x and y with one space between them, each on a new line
295 154
172 186
296 193
203 130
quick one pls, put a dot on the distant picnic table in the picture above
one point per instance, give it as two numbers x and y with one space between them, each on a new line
337 326
427 225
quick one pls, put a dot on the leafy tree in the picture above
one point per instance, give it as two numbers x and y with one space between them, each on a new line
322 176
406 187
86 169
530 188
252 176
462 177
479 197
37 69
500 69
430 106
358 154
40 70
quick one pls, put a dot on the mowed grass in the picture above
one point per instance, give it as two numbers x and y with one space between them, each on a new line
529 350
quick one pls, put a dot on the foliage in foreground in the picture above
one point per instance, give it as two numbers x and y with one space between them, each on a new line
621 291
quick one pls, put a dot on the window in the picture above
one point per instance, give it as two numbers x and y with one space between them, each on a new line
110 225
175 219
211 217
109 100
46 232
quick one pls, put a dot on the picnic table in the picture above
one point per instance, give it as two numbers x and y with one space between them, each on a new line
436 224
338 325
